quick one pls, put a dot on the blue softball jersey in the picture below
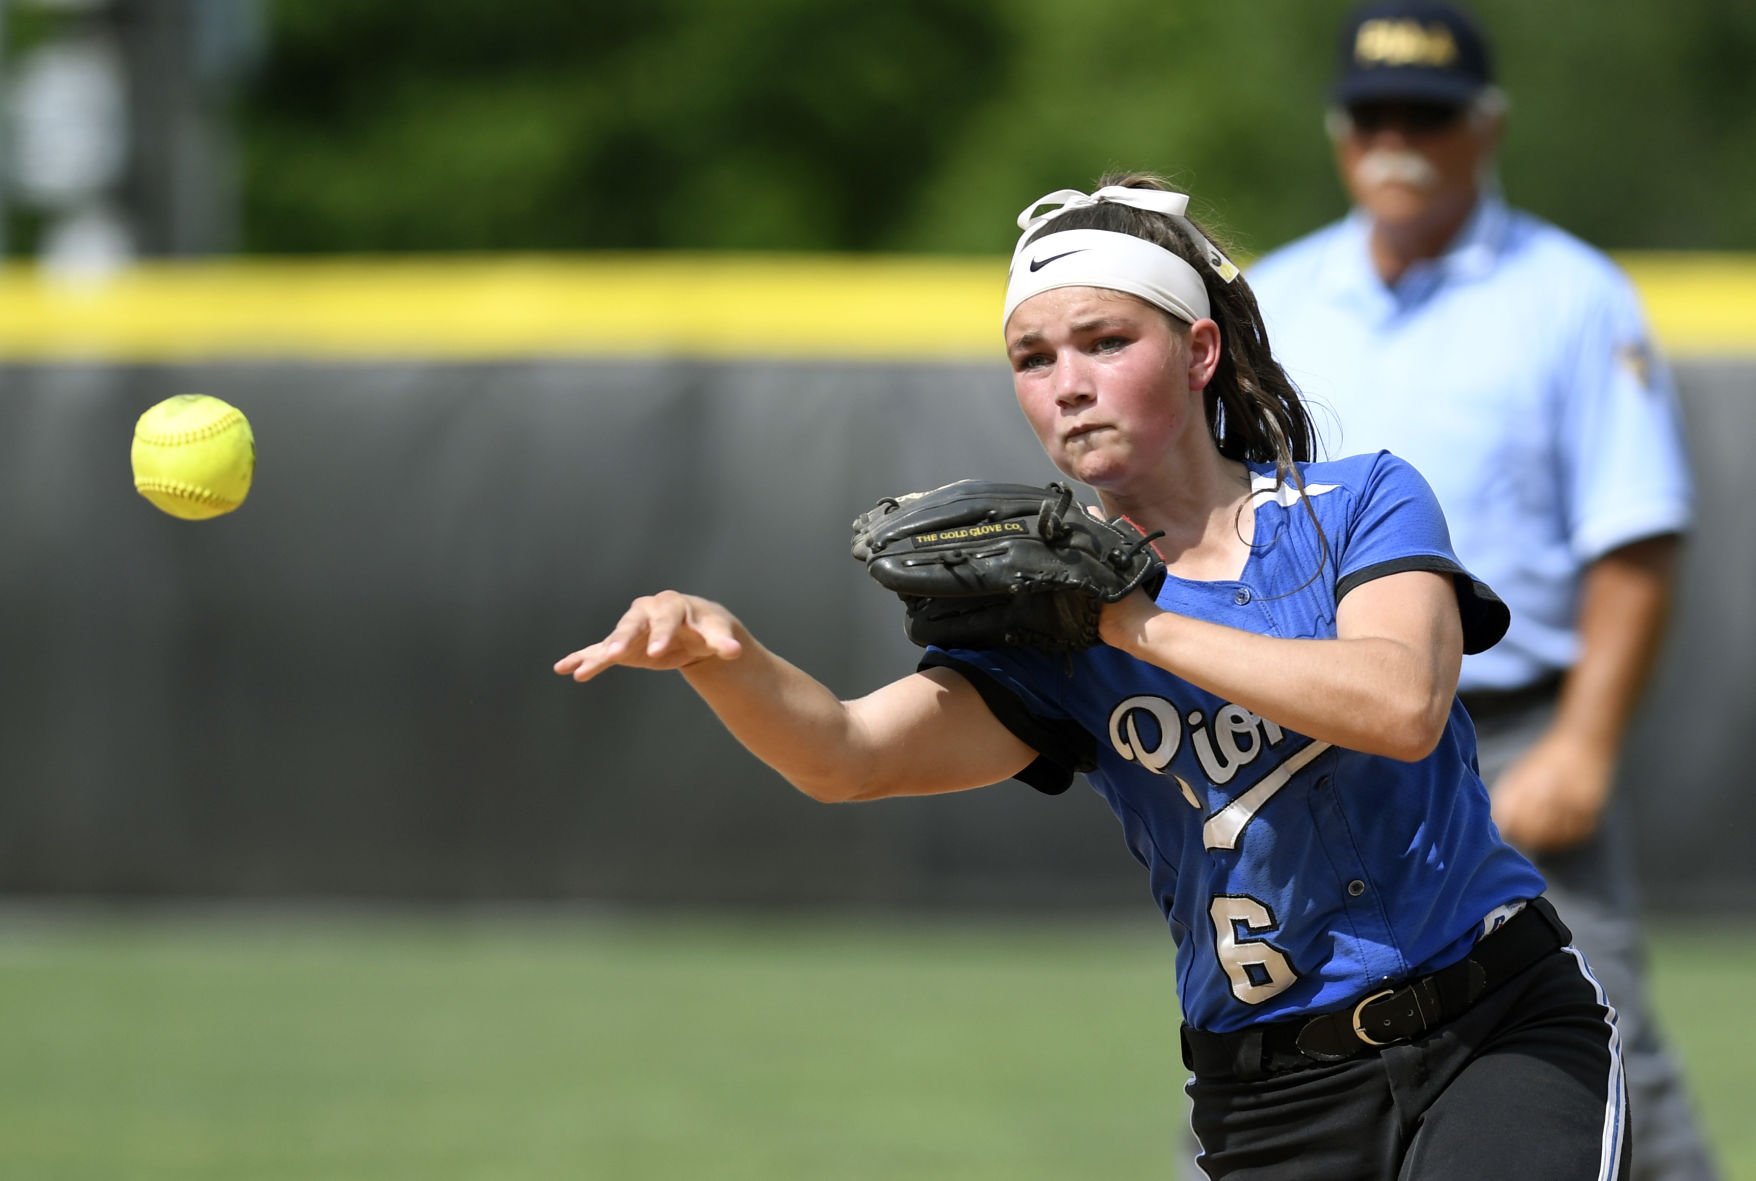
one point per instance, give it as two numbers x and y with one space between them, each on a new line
1295 876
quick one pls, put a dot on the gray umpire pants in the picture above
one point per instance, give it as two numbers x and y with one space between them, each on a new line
1594 890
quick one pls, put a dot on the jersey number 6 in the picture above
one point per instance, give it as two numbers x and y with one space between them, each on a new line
1256 968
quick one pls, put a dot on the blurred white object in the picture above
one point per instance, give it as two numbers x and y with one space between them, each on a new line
86 246
69 131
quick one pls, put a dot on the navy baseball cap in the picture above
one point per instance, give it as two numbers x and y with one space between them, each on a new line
1411 51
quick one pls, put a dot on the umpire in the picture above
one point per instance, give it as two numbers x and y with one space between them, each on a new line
1510 363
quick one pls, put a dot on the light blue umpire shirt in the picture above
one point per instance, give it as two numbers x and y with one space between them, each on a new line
1517 374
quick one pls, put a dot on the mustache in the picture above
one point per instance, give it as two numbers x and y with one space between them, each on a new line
1396 166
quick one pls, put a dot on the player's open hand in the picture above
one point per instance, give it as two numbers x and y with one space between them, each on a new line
663 631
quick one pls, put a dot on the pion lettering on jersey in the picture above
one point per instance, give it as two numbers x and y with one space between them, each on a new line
1148 730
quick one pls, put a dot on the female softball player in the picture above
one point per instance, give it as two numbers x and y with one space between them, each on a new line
1371 983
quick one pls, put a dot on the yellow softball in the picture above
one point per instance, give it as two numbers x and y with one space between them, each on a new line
193 456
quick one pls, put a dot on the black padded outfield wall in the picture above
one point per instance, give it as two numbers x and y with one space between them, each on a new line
344 689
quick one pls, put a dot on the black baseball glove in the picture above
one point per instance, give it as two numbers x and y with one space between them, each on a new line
984 565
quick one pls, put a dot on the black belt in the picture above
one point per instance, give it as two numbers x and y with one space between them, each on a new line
1397 1013
1498 703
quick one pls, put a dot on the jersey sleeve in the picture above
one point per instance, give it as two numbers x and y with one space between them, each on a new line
1396 525
1620 444
1005 679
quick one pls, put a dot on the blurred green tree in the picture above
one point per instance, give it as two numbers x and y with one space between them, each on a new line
922 125
546 124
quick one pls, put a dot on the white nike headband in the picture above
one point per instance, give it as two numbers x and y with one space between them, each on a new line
1113 261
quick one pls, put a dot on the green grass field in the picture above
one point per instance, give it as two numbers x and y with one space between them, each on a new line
267 1048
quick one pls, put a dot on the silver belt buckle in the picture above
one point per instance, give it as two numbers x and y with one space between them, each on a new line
1360 1030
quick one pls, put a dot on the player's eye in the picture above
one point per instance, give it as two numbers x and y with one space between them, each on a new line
1030 361
1109 344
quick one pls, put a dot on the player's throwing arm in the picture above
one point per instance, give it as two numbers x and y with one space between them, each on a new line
920 735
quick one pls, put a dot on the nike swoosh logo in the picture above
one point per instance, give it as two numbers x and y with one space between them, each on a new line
1040 263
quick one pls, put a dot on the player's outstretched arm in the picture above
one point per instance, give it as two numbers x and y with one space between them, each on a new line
924 734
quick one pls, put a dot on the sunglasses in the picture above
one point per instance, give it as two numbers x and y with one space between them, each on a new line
1411 118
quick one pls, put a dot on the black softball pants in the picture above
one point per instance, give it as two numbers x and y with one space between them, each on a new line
1525 1085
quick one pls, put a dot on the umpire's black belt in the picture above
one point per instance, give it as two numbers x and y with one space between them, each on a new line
1397 1013
1492 705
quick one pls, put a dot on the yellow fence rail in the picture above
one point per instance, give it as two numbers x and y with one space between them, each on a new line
710 306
